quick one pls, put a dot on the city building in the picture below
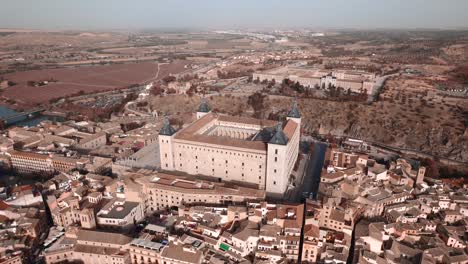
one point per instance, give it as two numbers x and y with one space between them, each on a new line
164 190
355 81
89 246
236 149
120 214
31 162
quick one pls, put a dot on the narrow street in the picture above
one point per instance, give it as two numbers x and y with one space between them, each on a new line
312 174
309 184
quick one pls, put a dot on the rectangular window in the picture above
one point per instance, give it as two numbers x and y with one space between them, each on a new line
276 159
276 151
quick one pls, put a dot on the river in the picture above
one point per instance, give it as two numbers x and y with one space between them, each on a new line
6 112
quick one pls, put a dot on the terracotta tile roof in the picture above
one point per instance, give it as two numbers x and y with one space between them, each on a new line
224 141
177 252
103 237
190 133
4 219
247 120
92 137
22 154
3 205
21 188
337 215
312 231
197 125
290 128
180 184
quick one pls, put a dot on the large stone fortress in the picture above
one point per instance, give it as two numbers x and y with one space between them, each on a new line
356 81
237 149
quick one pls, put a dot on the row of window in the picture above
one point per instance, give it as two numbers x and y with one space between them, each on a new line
221 152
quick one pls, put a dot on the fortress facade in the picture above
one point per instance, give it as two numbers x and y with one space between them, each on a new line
236 149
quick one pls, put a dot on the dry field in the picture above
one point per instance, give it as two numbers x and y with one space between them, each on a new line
182 106
59 39
87 79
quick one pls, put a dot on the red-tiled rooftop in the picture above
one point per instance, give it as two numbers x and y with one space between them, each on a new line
28 154
3 205
246 120
190 133
289 129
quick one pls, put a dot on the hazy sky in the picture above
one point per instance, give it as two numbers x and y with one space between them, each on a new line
219 14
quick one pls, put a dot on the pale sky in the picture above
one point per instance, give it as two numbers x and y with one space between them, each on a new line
228 14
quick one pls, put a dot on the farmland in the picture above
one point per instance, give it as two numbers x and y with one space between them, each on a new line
65 82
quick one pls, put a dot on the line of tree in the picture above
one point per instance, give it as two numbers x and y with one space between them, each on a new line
233 74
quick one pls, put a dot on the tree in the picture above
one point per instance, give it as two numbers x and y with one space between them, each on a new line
156 90
18 145
192 90
257 102
169 79
176 122
432 170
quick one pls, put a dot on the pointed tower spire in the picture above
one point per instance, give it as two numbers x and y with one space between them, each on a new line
279 137
294 112
203 109
167 129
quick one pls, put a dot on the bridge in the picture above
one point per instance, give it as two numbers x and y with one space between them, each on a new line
13 119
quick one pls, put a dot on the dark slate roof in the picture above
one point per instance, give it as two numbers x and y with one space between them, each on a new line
415 164
167 129
279 138
204 107
265 134
294 112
